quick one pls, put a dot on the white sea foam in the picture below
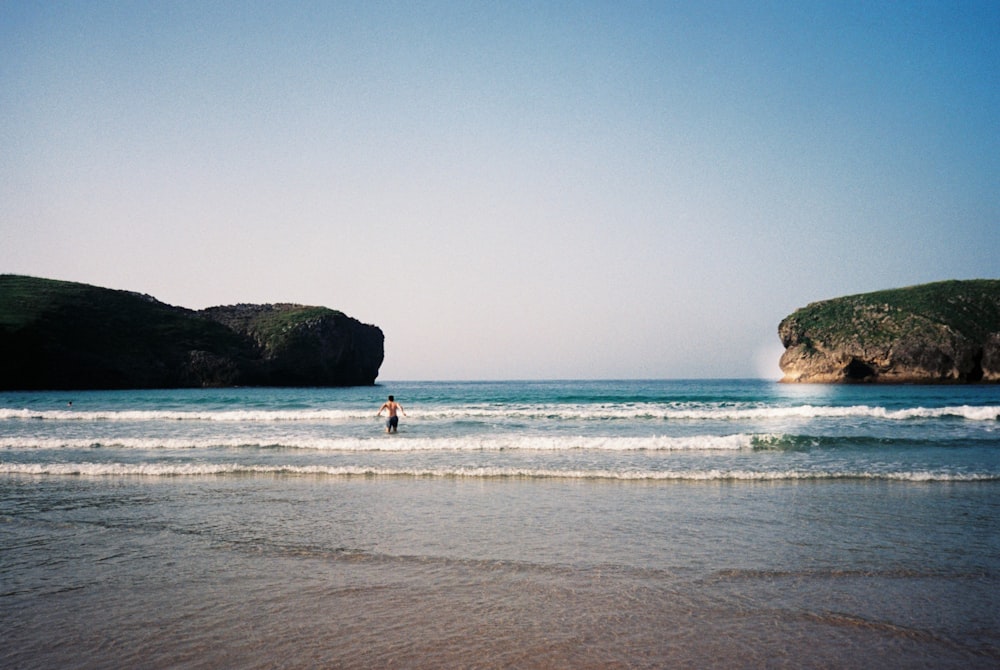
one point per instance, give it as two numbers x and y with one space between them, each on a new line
221 469
401 443
648 411
228 416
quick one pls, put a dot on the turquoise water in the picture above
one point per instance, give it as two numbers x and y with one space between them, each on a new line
525 524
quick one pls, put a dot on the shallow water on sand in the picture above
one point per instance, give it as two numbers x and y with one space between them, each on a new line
383 572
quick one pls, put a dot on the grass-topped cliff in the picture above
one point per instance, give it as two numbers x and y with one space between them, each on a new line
56 334
933 333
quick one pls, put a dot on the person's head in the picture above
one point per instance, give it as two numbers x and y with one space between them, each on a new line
391 398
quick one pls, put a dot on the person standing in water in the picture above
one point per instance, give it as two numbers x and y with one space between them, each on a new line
392 423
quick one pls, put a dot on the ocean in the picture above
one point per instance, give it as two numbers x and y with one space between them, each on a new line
537 524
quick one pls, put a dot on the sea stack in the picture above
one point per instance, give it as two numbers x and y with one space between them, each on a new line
939 333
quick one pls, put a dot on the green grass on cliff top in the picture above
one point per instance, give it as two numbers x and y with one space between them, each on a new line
102 319
22 299
971 307
274 325
292 315
29 301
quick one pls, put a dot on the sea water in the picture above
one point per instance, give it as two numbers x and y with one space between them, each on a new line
721 523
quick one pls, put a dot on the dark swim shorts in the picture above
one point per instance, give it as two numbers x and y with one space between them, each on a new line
392 422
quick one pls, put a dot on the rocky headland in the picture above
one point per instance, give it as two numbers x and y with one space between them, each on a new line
66 335
945 332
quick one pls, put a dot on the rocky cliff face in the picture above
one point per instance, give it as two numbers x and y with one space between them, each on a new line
64 335
299 345
946 332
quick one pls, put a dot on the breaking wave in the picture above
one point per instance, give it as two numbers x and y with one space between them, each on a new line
402 444
720 475
668 412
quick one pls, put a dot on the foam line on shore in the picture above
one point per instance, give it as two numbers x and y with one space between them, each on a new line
649 411
223 469
398 443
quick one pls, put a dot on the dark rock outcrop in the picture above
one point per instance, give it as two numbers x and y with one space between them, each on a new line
65 335
945 332
305 346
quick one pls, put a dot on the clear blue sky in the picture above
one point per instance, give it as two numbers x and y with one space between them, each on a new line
509 190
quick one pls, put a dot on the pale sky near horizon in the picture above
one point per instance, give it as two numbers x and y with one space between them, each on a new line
509 190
